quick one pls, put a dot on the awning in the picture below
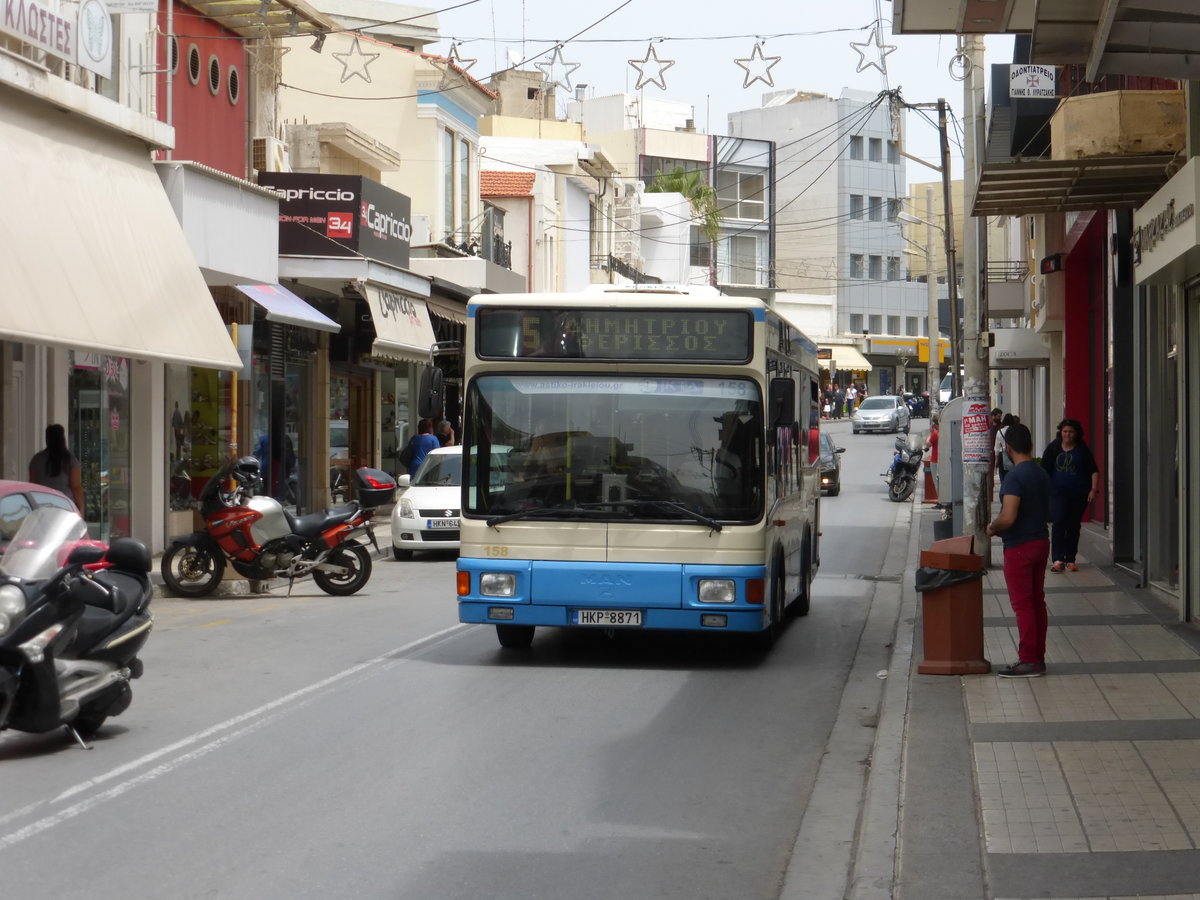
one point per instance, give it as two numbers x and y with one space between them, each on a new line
402 327
286 308
847 358
91 254
448 309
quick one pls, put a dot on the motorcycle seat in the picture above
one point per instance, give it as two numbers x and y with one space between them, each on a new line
105 612
313 524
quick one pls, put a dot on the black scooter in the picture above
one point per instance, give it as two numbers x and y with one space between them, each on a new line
902 474
73 616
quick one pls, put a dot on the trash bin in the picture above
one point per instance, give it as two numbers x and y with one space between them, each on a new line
951 584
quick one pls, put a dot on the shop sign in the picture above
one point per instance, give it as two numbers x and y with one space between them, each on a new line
1166 231
976 430
341 215
1031 81
80 35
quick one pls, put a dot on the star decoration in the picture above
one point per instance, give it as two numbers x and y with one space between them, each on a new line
455 59
876 41
355 62
651 59
755 70
554 64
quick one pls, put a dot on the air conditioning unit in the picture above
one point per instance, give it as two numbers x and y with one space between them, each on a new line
270 155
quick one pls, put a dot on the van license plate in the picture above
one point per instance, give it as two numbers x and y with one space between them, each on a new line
608 618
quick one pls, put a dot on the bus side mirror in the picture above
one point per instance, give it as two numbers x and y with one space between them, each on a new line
431 400
782 403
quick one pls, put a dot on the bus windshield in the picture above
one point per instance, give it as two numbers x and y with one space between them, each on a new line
615 444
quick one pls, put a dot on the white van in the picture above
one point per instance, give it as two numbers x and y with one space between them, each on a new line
944 391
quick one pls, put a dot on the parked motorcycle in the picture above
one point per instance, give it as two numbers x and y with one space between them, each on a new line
902 474
918 405
262 540
73 616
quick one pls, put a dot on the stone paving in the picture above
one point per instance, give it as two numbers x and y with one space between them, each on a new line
1100 759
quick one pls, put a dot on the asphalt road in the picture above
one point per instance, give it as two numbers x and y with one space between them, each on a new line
372 747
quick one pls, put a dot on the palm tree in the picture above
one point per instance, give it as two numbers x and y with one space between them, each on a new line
701 197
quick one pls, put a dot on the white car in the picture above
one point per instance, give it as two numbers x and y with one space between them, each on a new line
426 515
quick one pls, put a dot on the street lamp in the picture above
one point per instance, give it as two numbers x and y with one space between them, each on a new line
931 281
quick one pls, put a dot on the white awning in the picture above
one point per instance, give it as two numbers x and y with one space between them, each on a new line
91 254
286 308
847 358
402 327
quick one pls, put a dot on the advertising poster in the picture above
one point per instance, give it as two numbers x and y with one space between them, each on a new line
976 431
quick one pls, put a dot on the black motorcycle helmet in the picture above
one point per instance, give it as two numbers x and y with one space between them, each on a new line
247 470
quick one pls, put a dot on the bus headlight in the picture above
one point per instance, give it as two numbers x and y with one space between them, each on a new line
497 584
716 590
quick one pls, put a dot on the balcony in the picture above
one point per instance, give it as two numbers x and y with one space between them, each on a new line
479 263
1110 149
1006 288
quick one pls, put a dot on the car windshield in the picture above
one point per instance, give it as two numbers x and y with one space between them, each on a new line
439 469
575 440
878 403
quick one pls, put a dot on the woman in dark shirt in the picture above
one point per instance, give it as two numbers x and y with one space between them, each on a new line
1075 481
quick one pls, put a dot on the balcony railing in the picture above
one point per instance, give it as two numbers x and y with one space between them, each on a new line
610 263
496 250
1007 270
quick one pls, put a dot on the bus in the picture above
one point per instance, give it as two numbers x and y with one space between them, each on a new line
637 458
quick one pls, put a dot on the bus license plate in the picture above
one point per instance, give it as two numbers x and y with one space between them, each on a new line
608 618
433 524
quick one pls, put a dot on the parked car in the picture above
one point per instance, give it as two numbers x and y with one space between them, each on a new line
19 498
426 516
882 413
831 466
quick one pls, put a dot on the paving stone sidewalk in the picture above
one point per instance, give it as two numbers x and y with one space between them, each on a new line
1081 784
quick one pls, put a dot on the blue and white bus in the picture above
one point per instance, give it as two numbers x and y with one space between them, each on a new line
637 459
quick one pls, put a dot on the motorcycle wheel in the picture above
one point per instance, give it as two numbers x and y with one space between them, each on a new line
901 488
357 559
192 571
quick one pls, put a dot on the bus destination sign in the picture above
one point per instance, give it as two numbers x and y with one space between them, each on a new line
614 334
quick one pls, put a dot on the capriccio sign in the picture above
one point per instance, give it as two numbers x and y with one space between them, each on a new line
394 306
1146 237
384 224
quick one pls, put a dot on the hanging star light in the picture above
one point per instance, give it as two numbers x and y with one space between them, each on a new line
755 68
651 59
455 59
355 62
875 41
556 64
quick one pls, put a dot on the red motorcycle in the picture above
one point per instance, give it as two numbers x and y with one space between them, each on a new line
262 540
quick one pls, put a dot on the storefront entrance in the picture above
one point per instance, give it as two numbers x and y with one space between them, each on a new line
98 433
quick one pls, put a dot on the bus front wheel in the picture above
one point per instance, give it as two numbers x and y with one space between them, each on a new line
514 637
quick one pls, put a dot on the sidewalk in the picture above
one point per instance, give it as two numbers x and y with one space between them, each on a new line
1082 784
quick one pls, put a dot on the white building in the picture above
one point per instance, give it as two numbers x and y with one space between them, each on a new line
839 187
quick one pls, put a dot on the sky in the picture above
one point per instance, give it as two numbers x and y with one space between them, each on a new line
812 39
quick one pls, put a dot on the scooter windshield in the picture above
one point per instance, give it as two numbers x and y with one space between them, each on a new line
42 543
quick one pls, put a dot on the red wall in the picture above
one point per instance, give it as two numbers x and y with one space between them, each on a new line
209 128
1085 342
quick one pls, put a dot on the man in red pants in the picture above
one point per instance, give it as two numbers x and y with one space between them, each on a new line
1024 509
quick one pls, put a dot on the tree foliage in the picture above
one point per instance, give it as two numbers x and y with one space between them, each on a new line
701 197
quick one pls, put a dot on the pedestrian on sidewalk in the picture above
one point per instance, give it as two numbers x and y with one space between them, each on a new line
1021 525
55 466
1076 478
931 446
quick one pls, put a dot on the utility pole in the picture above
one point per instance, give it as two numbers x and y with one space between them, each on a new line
951 258
977 460
933 378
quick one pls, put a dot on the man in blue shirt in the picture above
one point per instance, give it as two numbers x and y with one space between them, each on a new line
1021 525
424 441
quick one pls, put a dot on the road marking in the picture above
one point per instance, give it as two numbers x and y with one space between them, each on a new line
248 722
215 623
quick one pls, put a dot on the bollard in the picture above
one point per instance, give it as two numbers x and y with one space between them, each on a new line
951 584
